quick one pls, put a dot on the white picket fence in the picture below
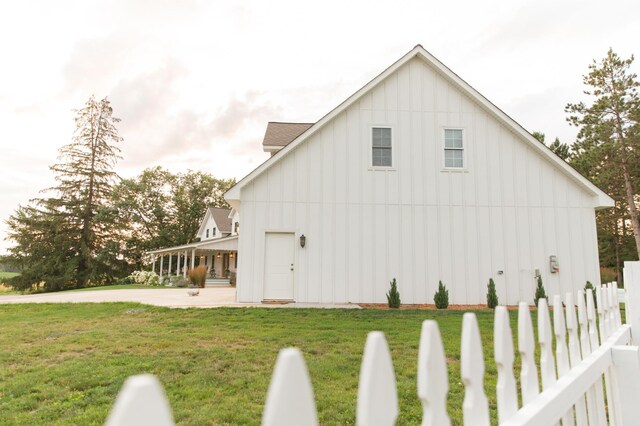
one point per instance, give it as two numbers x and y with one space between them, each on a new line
590 371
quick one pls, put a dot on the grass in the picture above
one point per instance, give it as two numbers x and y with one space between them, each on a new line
122 287
64 363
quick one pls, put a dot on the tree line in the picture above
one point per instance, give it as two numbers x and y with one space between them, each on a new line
94 227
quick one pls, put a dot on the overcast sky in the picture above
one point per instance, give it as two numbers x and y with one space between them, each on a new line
195 82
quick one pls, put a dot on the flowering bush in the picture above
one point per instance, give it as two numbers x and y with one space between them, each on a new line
145 278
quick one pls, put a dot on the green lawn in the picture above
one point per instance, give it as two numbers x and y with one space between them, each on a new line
64 363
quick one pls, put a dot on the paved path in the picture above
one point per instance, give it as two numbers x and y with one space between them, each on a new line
211 297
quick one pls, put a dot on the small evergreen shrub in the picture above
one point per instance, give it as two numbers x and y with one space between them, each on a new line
198 276
393 297
593 289
540 293
492 295
441 298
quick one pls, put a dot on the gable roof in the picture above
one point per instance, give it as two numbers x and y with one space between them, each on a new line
220 216
603 200
281 134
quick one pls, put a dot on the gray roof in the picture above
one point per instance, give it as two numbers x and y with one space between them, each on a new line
221 216
280 134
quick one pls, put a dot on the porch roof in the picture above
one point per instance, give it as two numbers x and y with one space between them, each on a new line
226 243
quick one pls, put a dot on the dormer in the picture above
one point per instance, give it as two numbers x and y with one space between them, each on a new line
215 224
278 135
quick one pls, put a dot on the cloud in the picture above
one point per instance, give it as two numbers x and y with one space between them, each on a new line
160 125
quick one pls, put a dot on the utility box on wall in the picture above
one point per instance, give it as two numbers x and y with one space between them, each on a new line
554 266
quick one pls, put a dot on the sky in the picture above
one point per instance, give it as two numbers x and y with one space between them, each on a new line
195 82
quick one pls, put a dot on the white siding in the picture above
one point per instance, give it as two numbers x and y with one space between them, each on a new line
509 210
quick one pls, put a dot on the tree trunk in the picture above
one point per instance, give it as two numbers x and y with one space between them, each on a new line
633 210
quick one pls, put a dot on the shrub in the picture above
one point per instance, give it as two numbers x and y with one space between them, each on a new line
492 295
393 297
232 279
198 276
144 278
540 293
441 298
590 286
608 275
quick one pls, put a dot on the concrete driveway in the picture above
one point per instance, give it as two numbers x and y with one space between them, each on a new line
210 297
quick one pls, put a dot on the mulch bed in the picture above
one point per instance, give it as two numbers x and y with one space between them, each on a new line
431 307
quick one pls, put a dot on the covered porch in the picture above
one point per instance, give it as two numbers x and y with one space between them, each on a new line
220 256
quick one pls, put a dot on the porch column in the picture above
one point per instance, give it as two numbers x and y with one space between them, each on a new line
193 258
210 262
178 265
184 266
161 265
153 264
170 258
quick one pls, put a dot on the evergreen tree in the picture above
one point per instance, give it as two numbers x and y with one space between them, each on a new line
540 292
606 150
441 297
69 239
393 296
492 295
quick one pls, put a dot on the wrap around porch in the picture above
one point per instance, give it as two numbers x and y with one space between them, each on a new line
220 256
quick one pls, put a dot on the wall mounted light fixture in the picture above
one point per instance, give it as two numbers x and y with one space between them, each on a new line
303 240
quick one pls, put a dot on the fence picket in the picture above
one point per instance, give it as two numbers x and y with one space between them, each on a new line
594 343
290 398
475 407
574 355
506 393
377 396
562 353
545 339
433 380
587 350
140 402
616 303
526 348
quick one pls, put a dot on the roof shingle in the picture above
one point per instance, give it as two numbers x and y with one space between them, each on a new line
280 134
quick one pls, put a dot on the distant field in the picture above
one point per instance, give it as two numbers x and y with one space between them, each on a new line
7 275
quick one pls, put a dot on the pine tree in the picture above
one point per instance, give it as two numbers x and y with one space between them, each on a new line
393 297
608 140
68 239
492 295
441 298
540 293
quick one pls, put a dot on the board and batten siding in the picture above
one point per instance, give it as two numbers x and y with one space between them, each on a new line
509 210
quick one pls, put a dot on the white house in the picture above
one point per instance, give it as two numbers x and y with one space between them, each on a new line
416 177
216 246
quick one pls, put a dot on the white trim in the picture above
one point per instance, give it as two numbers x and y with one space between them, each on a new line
602 199
443 149
370 146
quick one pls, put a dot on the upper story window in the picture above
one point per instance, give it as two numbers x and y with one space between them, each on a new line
207 233
453 149
236 226
213 234
381 155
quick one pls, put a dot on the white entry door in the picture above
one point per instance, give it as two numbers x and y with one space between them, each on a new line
278 266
